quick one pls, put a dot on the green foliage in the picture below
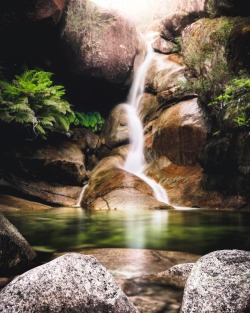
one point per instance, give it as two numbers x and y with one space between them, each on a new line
92 120
32 101
205 54
235 99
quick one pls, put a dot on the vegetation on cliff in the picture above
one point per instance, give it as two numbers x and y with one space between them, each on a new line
33 102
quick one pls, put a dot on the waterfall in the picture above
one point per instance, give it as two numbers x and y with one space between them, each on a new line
135 162
79 200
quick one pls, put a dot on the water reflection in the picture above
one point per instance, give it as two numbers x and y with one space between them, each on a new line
195 231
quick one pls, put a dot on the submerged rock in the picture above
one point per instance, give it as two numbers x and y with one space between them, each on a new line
15 252
70 283
219 282
176 276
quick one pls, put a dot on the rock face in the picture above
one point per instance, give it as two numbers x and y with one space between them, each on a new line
103 43
212 44
179 133
32 11
60 161
226 7
218 155
71 283
112 188
219 282
53 194
15 252
10 203
115 130
53 171
164 75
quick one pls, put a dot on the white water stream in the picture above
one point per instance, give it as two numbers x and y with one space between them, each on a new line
135 162
79 200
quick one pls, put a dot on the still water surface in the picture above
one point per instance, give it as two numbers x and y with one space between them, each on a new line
196 231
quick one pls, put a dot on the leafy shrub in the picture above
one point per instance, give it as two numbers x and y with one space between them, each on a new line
235 100
32 101
92 120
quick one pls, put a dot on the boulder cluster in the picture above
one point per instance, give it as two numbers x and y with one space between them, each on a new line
217 282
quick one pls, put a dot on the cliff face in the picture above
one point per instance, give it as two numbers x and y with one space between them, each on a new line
195 107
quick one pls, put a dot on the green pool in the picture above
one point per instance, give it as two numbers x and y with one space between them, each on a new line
190 230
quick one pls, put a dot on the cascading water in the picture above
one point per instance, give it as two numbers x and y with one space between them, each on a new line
79 200
135 162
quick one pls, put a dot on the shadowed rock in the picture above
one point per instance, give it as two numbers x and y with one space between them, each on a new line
15 252
215 7
99 42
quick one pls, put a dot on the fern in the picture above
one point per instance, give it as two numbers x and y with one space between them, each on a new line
236 99
92 120
32 101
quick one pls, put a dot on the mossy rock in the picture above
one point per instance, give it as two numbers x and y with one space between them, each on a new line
209 45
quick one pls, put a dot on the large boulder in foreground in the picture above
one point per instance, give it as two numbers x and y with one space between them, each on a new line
70 283
99 42
15 252
219 282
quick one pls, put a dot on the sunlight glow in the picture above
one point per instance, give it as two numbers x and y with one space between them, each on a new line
141 11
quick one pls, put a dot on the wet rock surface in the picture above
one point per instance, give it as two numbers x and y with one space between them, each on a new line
112 188
185 187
